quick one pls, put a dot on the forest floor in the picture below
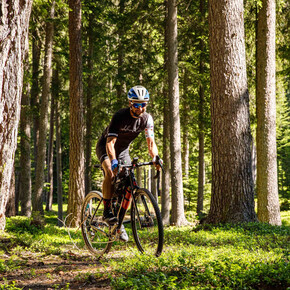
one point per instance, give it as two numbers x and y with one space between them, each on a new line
40 271
246 256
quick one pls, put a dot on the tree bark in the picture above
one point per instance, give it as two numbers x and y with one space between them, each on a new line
76 154
154 184
178 217
35 91
267 181
13 43
185 127
120 75
25 161
37 198
201 165
49 194
10 206
89 108
232 197
58 145
165 193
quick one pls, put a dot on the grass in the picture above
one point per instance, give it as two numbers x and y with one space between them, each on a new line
245 256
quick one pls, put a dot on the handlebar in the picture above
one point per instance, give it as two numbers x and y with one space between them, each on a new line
135 164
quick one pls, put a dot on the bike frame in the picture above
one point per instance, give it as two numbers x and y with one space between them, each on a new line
133 189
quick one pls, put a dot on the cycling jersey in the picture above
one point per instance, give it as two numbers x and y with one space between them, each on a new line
126 129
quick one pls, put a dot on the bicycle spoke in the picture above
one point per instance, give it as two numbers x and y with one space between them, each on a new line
96 233
146 223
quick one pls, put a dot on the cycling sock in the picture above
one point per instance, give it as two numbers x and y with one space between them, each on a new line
107 203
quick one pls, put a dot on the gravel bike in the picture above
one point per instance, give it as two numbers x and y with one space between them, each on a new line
144 221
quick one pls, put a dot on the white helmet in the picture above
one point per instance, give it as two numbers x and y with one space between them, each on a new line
138 93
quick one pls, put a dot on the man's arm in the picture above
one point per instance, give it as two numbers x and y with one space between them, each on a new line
153 151
110 147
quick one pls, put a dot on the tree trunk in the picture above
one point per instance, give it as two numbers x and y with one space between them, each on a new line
185 127
201 166
10 206
58 147
13 43
37 198
154 183
139 175
25 161
120 75
165 193
178 217
88 174
49 194
232 197
35 91
76 154
267 183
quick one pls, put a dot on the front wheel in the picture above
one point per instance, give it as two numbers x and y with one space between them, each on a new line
146 222
96 232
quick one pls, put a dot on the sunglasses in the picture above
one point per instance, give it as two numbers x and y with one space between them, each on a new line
137 105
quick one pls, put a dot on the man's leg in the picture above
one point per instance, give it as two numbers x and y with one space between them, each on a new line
108 189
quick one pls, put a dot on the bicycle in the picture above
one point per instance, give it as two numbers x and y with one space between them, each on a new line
145 216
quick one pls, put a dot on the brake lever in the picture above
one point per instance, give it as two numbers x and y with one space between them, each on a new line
160 163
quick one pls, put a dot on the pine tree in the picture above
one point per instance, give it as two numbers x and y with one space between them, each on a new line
13 44
232 197
267 182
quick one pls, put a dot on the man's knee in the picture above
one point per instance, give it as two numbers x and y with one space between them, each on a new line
107 169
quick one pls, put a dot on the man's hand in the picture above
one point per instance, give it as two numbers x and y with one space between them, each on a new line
158 162
114 166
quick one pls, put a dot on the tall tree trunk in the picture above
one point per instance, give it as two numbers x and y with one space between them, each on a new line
185 126
49 194
232 197
88 174
178 217
76 154
10 206
267 183
25 161
139 176
35 91
120 75
165 193
13 44
201 166
58 145
154 183
37 198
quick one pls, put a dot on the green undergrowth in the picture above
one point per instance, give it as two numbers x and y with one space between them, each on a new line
23 234
245 256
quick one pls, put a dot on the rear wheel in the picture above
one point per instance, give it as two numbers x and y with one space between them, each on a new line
147 224
96 232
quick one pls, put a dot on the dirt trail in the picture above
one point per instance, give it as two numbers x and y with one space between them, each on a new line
70 271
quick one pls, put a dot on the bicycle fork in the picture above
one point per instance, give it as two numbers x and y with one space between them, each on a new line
122 211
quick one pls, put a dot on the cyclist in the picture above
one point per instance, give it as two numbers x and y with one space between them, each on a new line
113 146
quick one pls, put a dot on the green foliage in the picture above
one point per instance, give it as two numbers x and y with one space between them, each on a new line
50 239
247 256
11 286
244 256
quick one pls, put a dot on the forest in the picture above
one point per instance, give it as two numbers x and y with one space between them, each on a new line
218 77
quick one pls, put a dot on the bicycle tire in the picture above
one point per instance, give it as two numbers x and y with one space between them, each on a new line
147 227
95 231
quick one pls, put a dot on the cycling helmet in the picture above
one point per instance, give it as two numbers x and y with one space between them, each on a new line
138 93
